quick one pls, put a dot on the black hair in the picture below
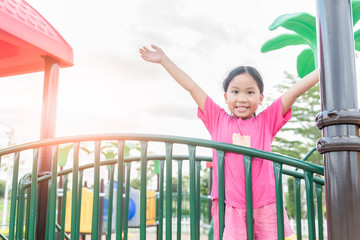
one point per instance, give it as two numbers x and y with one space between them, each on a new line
241 70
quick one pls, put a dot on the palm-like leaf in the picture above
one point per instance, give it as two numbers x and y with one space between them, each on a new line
305 62
357 39
355 4
283 41
301 23
63 154
304 25
109 154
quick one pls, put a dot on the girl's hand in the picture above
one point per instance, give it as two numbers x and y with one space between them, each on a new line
156 56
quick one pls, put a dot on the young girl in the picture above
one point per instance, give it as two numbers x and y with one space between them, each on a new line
243 93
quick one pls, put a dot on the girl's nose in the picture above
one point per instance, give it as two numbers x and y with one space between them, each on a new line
241 98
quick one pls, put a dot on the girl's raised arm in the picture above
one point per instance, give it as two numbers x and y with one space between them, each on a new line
158 56
298 89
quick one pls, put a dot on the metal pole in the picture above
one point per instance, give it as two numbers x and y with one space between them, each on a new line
339 118
47 130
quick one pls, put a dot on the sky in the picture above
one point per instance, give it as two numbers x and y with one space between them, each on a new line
111 89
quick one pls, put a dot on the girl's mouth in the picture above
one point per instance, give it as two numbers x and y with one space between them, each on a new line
241 109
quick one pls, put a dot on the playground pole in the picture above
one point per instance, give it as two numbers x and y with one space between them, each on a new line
339 119
47 130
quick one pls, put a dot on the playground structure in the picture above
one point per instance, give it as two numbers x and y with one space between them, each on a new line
34 199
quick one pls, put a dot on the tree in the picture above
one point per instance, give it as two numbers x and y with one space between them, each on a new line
204 181
2 188
300 134
150 174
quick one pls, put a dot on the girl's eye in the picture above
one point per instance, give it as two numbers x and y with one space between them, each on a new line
235 91
250 92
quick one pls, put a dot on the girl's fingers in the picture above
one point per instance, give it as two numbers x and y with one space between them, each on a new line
154 47
143 52
148 54
146 49
145 55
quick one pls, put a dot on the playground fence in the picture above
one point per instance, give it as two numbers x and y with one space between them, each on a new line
24 190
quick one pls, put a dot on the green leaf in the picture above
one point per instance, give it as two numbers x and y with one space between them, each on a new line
357 39
63 154
305 63
283 41
302 23
355 11
109 154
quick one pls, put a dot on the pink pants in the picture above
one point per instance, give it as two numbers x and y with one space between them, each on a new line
265 223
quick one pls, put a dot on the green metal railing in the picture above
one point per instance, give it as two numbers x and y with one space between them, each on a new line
181 207
24 192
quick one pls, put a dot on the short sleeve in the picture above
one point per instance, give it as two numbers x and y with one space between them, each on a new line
210 115
274 118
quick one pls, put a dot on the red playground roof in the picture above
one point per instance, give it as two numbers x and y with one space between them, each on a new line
25 37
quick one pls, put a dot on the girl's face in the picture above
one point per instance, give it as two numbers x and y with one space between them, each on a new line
243 96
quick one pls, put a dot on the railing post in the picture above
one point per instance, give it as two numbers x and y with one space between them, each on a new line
169 148
101 208
279 200
96 193
249 198
198 203
14 195
47 229
143 160
339 118
27 213
192 193
319 210
297 198
33 197
75 193
78 205
127 196
21 208
310 204
110 203
161 201
63 209
53 191
179 200
221 191
120 189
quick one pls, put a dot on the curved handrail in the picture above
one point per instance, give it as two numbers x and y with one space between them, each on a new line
170 139
152 158
308 154
47 177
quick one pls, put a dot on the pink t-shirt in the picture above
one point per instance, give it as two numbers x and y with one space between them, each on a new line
262 130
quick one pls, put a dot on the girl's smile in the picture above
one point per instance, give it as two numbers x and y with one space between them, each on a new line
243 96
